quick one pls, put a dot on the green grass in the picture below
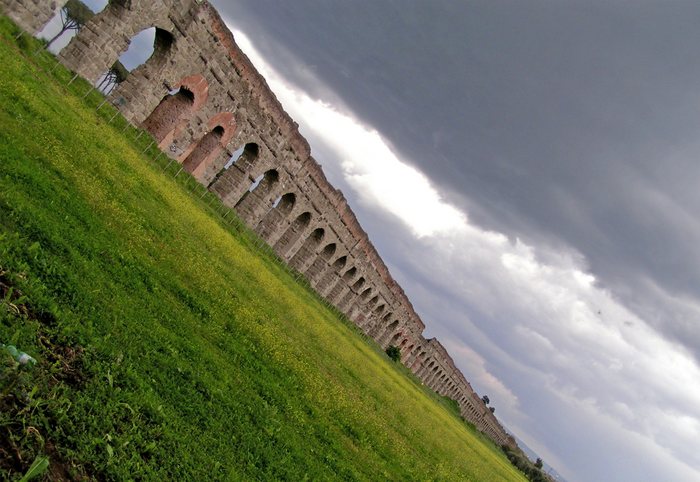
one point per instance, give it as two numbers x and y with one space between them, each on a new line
170 346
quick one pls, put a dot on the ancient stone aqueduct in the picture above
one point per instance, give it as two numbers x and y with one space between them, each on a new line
202 100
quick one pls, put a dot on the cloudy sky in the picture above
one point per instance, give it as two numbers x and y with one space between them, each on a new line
528 172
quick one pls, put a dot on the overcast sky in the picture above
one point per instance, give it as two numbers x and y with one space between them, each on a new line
528 170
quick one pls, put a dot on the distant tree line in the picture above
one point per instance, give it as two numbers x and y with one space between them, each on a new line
533 471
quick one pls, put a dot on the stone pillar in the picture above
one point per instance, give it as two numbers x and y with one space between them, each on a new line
302 257
410 358
269 224
319 266
256 205
389 333
206 150
338 292
347 304
434 378
231 185
100 43
296 233
328 282
253 206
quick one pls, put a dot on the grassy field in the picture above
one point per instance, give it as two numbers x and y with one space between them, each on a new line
169 346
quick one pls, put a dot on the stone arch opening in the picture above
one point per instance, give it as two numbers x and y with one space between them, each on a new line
340 263
379 309
358 284
147 50
327 285
365 294
328 251
373 301
149 46
293 233
350 274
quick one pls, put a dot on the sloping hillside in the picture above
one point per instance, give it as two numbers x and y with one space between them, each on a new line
169 345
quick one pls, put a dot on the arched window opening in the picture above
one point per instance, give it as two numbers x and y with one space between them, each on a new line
340 263
350 274
204 151
166 116
365 294
303 219
318 234
244 156
142 47
358 284
379 309
148 47
68 21
387 316
328 251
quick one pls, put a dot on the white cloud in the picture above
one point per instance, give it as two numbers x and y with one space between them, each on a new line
368 163
595 359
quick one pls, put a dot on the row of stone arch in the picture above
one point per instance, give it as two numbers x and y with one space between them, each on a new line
206 107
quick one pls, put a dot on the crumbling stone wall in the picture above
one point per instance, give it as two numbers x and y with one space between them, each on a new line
203 100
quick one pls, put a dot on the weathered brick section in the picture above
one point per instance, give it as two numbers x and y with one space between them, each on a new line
203 100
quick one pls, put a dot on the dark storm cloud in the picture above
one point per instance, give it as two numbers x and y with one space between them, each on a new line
570 126
563 122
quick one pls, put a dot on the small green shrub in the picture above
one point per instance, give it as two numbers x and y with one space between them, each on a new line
394 353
